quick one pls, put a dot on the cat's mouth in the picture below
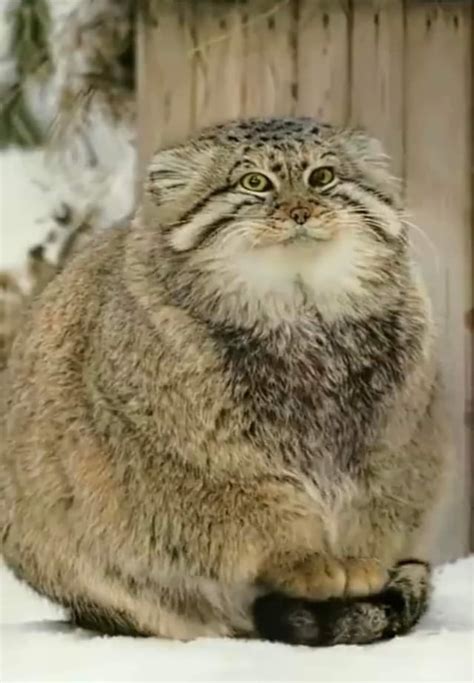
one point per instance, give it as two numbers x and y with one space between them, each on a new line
302 236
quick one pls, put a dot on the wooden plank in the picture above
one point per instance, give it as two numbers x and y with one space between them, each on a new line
218 61
164 76
469 417
438 158
323 60
269 67
377 90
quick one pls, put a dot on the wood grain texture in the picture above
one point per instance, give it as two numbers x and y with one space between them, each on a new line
323 52
470 327
218 50
377 71
268 58
165 77
438 159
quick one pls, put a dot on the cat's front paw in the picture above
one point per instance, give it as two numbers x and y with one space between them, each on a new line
364 577
316 577
319 577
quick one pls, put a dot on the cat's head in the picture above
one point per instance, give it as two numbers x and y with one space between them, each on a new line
279 206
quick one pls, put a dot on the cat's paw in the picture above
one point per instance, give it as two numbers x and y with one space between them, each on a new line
320 577
315 578
364 577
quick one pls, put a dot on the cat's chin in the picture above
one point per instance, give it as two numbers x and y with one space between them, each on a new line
320 266
294 256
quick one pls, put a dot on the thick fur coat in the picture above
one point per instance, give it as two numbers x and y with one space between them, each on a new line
227 419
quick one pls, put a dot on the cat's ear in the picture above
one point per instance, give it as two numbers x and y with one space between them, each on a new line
369 155
367 148
178 171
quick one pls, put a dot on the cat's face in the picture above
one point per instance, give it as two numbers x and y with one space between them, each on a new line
269 203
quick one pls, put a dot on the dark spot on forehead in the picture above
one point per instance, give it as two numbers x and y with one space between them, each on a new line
304 165
276 168
278 133
294 124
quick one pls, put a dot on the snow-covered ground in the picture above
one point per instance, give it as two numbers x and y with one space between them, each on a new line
38 645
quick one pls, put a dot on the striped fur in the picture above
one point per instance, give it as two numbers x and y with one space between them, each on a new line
228 419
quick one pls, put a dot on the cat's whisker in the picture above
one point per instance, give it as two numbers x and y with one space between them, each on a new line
434 250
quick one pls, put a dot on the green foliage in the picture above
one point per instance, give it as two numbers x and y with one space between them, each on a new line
31 25
29 49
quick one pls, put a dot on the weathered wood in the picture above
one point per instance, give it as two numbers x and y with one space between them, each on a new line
438 158
470 316
165 77
268 87
377 90
323 60
218 49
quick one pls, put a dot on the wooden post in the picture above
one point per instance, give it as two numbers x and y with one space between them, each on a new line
377 90
323 60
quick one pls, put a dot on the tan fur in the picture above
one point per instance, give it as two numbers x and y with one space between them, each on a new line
126 478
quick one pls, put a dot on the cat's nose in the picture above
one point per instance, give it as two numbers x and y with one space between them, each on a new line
300 214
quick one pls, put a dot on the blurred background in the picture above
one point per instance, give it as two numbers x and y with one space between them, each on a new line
90 88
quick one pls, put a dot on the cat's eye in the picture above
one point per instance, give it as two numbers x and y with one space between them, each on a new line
321 176
256 182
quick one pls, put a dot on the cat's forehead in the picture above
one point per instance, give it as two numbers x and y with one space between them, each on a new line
261 133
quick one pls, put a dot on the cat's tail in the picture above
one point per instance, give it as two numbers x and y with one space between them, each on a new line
392 612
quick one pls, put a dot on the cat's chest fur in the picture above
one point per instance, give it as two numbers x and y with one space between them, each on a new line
312 391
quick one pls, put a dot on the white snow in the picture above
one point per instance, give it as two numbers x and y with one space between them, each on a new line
38 645
25 205
93 168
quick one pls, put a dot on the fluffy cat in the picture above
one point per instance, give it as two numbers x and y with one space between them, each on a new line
226 420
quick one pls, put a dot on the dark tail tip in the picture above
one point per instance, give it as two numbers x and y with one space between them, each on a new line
392 612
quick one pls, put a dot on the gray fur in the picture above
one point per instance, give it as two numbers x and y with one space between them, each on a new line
220 402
